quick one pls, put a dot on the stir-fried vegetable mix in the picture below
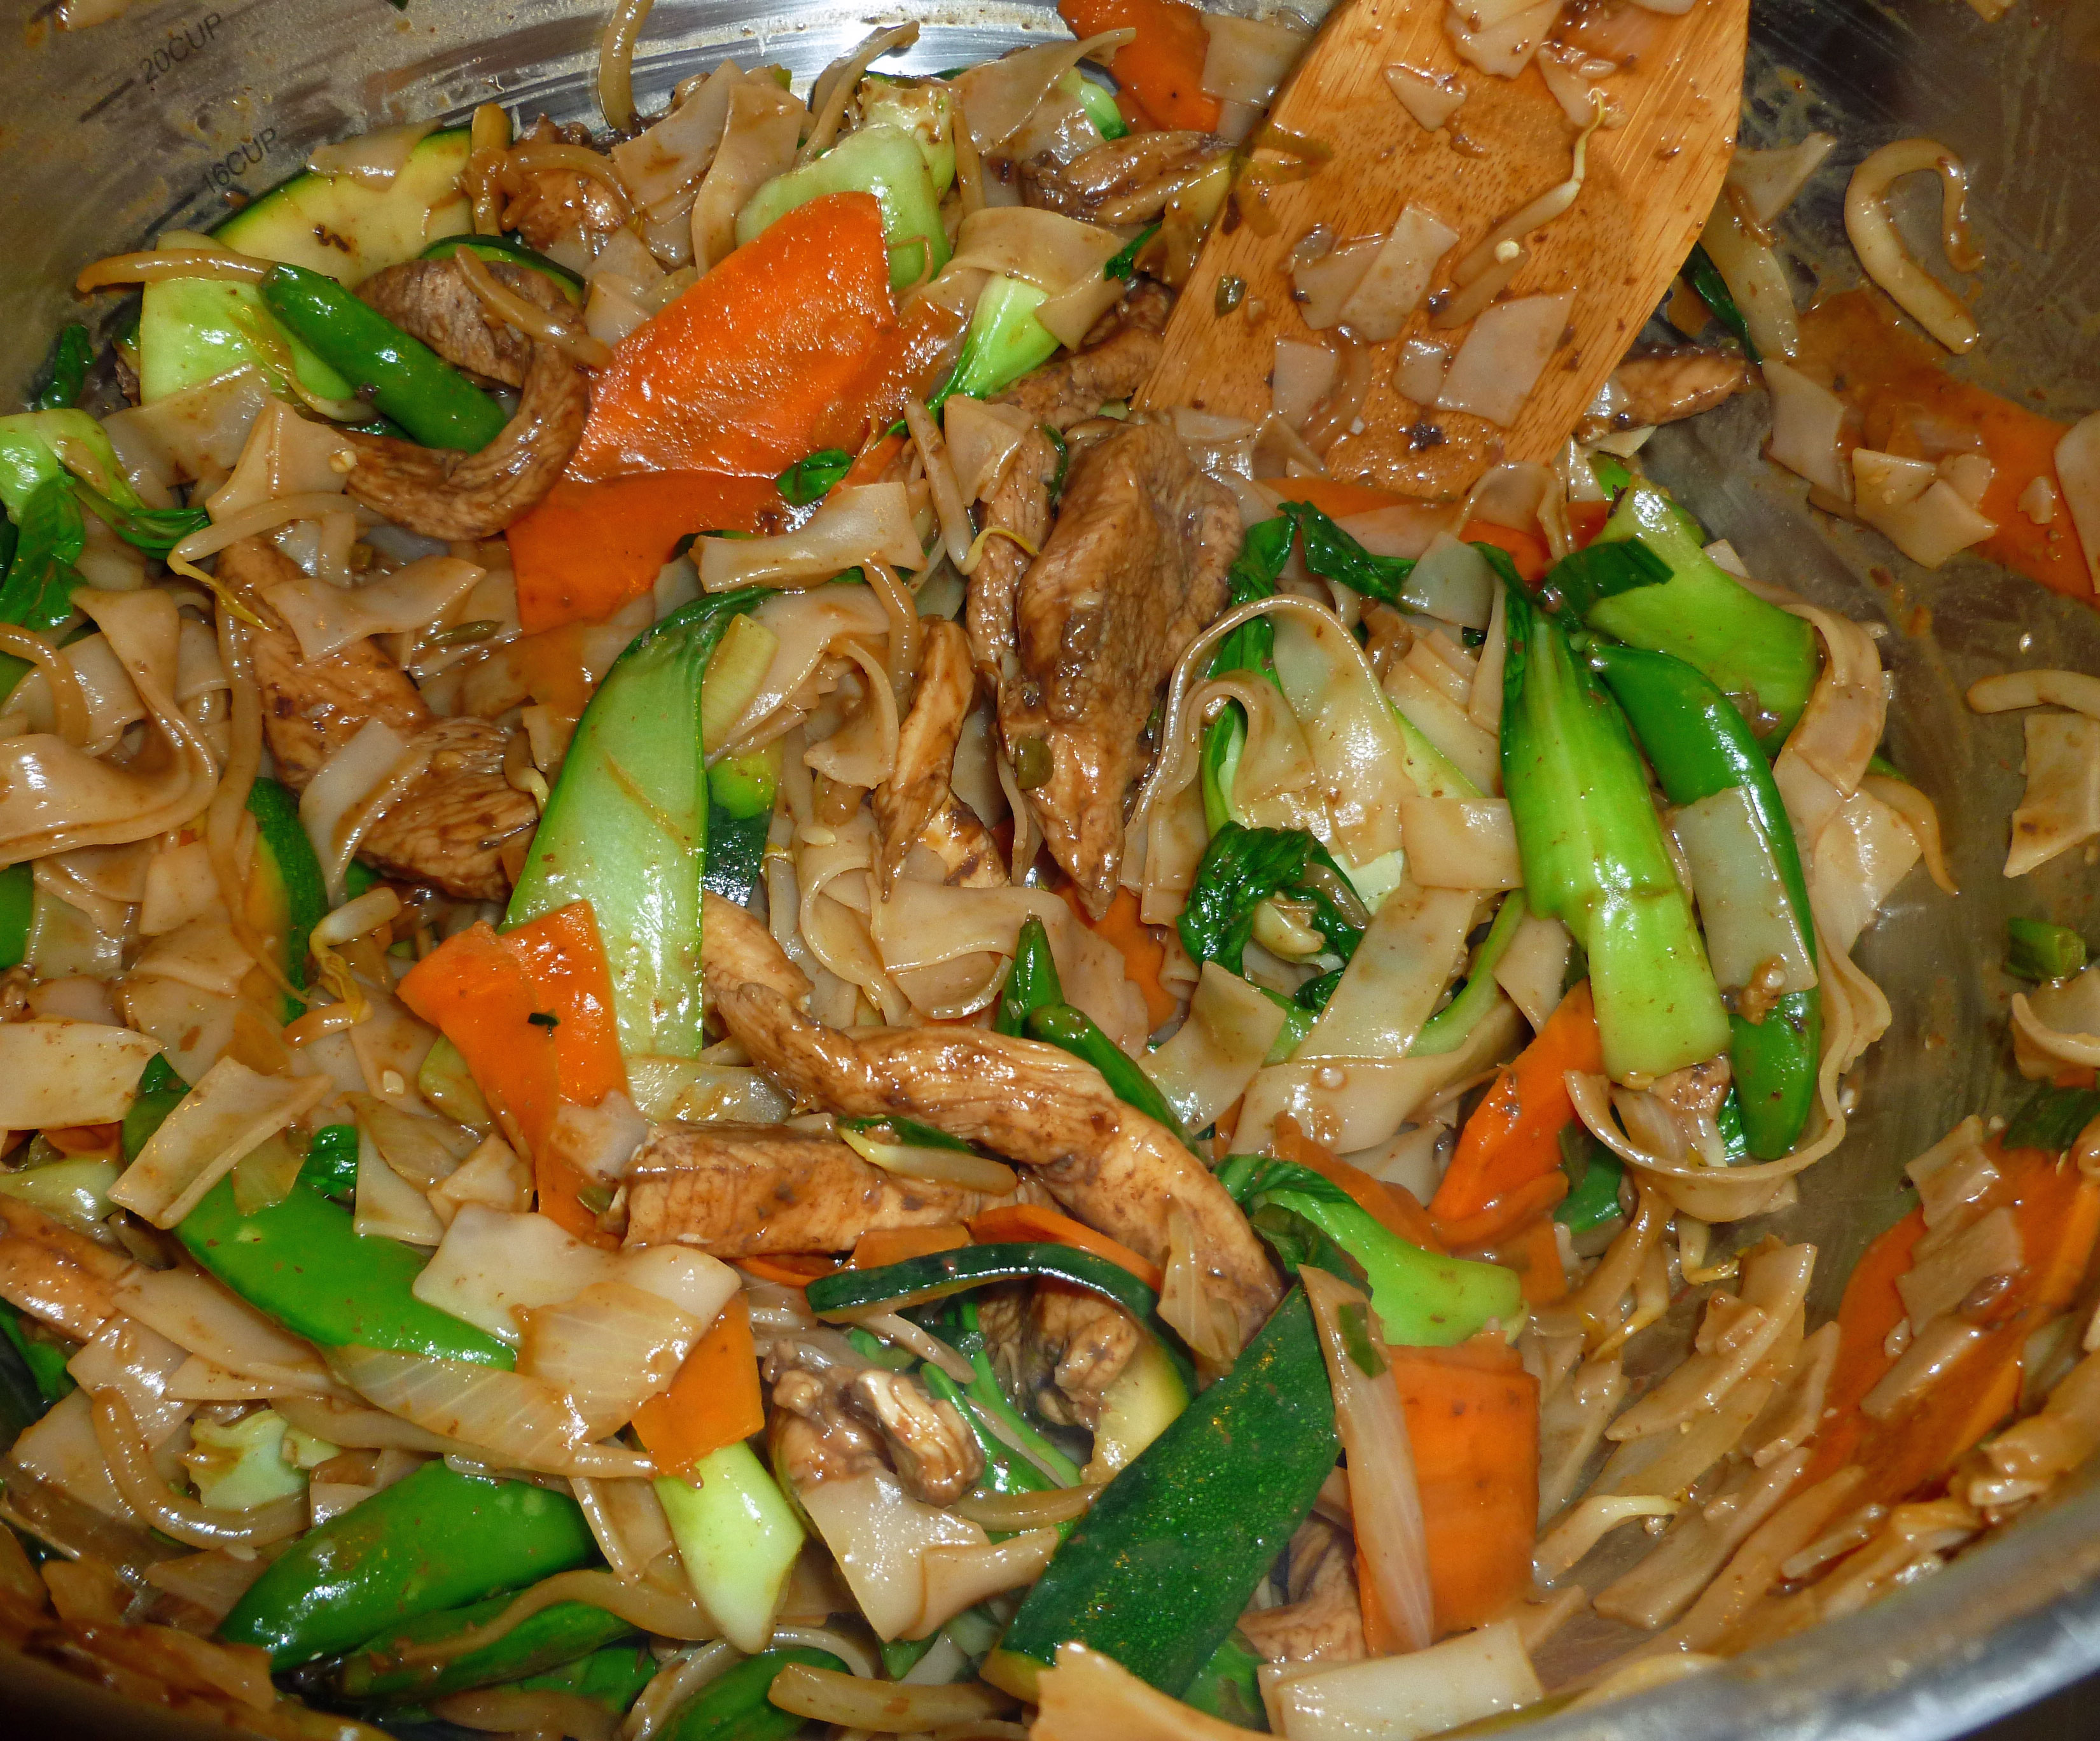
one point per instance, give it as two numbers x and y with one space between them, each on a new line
735 1002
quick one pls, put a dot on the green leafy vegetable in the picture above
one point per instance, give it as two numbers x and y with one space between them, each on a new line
1123 262
1601 571
1705 277
2052 1119
330 1167
1243 866
810 479
156 530
65 373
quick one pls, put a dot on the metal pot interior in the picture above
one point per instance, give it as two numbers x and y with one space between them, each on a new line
117 132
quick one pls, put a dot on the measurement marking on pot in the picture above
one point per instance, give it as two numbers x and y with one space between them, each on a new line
224 173
181 45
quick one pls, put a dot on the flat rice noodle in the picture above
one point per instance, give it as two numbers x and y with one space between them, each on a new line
1476 753
1397 280
54 797
1474 1675
1216 1052
1865 849
835 878
807 625
350 790
113 704
423 1151
1358 1102
1044 248
981 437
996 97
762 128
199 432
1534 967
1711 1194
862 752
193 1028
1839 730
205 954
387 1206
878 1532
1349 732
2060 807
856 523
1461 843
58 1073
1670 1577
228 1113
1277 784
326 617
1415 945
661 164
285 454
215 1324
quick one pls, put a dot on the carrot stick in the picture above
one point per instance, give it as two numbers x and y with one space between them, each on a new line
1527 549
886 1245
1030 1223
770 357
789 1269
1164 67
873 460
1143 953
588 548
1472 1424
713 1402
1514 1136
562 955
1504 1215
1867 1316
1534 1251
1392 1208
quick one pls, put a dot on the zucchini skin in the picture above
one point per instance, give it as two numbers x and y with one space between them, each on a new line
1157 1573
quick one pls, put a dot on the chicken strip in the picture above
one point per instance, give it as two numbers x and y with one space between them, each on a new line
736 947
1134 570
1062 1349
54 1274
1323 1622
1119 355
451 827
742 1190
1666 386
1106 1162
907 801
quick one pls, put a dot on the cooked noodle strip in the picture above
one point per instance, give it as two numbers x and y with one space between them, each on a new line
1882 251
152 267
68 702
580 159
146 1490
840 81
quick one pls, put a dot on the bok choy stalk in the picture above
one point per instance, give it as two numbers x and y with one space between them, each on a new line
1746 867
1422 1299
1004 341
626 826
1646 580
1593 855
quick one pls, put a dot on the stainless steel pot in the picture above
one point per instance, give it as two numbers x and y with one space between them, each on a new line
110 135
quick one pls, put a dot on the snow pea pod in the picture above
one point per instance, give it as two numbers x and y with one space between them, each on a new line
375 1674
732 1707
406 379
303 1262
437 1539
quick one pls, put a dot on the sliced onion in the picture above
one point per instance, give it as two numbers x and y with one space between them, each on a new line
229 1112
1385 1505
1756 279
1431 98
2078 473
1807 419
388 1206
57 1073
855 524
490 1264
519 1420
1214 1055
608 1349
937 1165
1503 356
1474 1675
146 1490
326 617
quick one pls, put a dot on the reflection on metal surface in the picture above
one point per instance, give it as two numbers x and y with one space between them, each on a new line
116 132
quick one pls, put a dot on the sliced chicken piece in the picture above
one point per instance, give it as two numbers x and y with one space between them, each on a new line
1079 187
969 856
1107 1163
59 1277
1060 1349
1134 570
819 1378
550 206
918 786
1323 1622
450 828
1666 386
742 1190
736 947
931 1446
443 494
1120 353
430 299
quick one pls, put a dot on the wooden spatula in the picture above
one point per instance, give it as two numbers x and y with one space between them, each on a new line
1651 184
